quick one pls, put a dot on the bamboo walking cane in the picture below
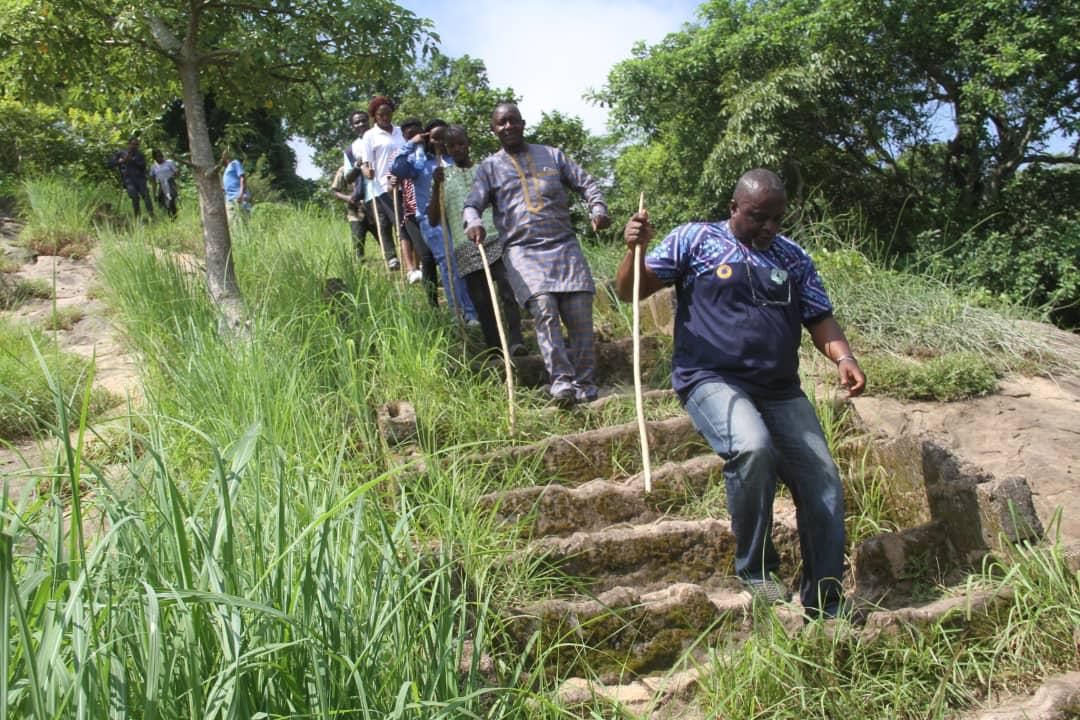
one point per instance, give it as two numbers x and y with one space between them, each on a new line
639 403
398 240
451 264
502 334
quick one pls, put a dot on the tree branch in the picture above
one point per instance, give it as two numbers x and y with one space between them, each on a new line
163 36
1053 159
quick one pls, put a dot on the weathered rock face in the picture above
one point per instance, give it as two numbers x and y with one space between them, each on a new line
972 514
657 554
1028 428
950 612
1057 699
622 630
658 312
977 510
891 563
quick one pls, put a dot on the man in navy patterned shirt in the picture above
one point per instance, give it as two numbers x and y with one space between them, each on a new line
744 294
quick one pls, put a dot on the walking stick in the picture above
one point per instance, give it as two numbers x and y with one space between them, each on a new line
638 401
448 246
502 334
398 240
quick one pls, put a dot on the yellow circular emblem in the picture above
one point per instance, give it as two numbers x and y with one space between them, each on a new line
723 272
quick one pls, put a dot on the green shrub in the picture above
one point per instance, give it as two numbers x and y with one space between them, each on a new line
1028 251
954 376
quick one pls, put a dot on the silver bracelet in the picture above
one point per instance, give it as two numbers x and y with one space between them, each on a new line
842 358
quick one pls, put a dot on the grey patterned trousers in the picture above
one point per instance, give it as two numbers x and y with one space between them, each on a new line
571 359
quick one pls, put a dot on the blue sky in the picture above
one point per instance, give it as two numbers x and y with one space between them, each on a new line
550 52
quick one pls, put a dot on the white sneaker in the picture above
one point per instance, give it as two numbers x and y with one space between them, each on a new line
393 263
415 276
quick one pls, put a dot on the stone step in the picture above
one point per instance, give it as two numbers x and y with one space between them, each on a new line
954 611
607 452
614 363
658 697
1058 698
624 632
559 510
656 554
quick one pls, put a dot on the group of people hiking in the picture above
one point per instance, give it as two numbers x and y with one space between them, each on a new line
418 181
130 165
743 294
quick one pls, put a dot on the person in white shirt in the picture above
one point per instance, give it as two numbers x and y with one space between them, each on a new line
379 147
165 172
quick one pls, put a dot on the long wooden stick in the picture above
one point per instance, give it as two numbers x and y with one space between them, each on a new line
448 246
502 335
398 240
378 231
643 432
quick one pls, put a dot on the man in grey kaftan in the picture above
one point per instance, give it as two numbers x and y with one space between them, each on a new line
525 184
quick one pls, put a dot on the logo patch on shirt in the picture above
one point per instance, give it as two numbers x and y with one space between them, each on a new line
723 272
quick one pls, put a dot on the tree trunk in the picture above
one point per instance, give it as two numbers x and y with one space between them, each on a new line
220 274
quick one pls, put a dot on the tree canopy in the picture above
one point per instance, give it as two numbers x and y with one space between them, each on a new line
249 53
916 114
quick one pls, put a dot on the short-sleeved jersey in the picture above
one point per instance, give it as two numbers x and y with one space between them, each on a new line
740 310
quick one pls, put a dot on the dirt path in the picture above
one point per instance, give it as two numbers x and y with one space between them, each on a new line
76 286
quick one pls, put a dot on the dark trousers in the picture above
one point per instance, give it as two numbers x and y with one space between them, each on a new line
136 190
167 201
360 230
384 206
428 266
481 298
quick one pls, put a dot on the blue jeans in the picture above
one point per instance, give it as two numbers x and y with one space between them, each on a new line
448 268
761 440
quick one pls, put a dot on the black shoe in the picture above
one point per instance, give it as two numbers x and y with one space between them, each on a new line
565 399
518 350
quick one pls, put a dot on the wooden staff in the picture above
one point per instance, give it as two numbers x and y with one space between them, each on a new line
448 246
398 241
643 432
502 334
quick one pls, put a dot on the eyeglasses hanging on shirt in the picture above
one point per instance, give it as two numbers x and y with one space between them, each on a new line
769 279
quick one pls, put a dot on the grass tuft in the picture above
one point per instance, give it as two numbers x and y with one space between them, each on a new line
28 404
60 216
64 318
954 376
14 292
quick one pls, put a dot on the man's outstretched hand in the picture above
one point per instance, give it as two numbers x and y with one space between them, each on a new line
601 222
